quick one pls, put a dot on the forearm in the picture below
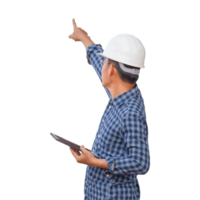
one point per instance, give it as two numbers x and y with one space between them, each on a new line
86 40
100 163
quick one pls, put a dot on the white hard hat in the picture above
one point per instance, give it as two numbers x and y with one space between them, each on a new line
126 49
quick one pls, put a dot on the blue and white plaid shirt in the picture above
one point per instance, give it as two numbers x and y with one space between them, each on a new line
121 139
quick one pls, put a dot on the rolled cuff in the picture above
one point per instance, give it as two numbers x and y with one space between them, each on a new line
90 49
110 162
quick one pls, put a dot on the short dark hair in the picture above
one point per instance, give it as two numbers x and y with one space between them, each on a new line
126 77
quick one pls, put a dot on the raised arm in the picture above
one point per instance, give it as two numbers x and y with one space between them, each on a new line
81 35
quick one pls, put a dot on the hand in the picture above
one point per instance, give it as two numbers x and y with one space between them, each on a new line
85 158
78 33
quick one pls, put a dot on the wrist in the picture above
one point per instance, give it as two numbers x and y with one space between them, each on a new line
86 40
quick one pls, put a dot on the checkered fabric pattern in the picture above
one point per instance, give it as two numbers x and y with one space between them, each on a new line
121 139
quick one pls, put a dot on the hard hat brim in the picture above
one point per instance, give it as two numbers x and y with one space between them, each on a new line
103 55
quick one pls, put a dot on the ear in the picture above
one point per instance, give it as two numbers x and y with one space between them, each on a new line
112 69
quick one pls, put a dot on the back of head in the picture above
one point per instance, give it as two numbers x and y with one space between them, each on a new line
127 54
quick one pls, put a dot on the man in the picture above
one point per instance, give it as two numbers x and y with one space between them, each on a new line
120 150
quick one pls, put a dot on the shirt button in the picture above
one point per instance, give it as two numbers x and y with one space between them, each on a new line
110 106
98 135
102 120
107 175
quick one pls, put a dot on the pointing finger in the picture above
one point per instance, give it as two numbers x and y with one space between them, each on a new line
73 19
73 22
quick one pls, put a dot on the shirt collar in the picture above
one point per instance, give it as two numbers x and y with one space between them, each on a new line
122 98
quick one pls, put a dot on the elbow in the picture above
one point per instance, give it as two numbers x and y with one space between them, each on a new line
146 168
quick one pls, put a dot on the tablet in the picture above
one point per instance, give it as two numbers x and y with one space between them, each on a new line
69 143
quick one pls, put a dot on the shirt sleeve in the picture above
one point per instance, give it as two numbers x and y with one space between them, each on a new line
137 160
94 60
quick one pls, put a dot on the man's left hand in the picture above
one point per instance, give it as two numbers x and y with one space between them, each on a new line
85 158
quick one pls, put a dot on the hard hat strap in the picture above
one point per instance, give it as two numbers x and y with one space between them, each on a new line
132 71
